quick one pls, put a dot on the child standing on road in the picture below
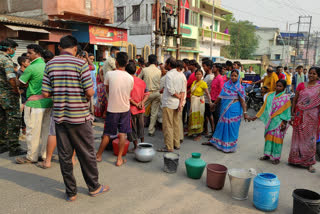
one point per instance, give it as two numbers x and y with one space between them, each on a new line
138 97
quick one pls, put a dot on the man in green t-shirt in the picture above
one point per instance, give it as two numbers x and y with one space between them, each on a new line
37 109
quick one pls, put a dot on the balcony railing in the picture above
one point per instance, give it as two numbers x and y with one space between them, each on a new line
216 35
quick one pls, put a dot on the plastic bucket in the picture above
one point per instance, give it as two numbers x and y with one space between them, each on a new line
306 202
171 162
115 145
240 180
216 176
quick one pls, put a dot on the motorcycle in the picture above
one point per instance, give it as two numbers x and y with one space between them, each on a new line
254 99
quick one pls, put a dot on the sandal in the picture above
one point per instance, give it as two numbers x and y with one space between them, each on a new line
206 144
42 166
264 158
275 162
71 199
198 138
176 148
23 160
311 169
163 150
102 190
205 133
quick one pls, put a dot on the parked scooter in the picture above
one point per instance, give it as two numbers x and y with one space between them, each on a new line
254 99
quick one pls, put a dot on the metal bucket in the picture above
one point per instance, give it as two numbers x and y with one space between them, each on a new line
240 180
171 162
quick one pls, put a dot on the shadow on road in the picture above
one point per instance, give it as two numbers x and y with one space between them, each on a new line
36 182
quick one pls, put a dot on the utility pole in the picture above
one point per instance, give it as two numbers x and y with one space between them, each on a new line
316 50
212 28
307 60
297 46
157 31
309 22
178 31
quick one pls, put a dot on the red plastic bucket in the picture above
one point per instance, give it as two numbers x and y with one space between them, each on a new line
115 145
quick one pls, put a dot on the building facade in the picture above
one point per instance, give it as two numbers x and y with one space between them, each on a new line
273 46
88 20
195 25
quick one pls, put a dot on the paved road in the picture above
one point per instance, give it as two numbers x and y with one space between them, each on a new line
145 188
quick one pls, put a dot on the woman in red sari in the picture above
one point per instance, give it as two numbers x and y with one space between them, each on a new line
306 122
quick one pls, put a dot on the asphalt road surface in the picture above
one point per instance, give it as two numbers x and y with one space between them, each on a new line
144 187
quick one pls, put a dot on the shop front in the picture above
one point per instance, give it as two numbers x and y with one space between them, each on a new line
104 37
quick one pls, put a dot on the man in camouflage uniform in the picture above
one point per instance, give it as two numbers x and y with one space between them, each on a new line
10 118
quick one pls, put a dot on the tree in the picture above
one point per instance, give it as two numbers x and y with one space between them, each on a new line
243 41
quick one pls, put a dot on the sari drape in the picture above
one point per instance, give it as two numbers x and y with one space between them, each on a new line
276 109
306 127
226 134
196 117
101 104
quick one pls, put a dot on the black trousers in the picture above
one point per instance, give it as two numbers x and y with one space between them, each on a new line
216 114
79 138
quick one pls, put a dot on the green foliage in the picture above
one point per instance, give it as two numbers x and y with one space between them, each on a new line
243 42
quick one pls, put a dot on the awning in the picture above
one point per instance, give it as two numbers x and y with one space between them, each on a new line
28 29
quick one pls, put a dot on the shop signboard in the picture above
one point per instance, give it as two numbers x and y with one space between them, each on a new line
110 36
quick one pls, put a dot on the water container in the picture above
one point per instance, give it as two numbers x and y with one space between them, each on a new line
305 201
195 166
240 180
266 188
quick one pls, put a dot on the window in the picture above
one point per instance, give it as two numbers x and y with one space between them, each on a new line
277 56
187 14
216 23
194 19
136 13
201 21
292 59
88 4
120 14
147 12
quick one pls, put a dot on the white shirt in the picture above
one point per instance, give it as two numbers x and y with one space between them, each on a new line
174 84
120 86
208 79
252 72
162 81
185 83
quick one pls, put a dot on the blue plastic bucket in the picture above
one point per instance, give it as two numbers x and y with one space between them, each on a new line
266 189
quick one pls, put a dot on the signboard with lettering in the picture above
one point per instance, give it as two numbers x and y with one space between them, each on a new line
111 36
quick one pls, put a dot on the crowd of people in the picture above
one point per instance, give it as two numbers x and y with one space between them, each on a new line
60 96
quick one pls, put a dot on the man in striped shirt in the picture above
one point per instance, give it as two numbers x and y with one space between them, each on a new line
67 79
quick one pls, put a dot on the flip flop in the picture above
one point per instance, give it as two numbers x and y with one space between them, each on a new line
68 199
123 162
23 160
206 144
264 158
102 190
163 150
275 162
42 166
176 148
313 170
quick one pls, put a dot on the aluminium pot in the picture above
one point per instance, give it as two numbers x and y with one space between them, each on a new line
144 152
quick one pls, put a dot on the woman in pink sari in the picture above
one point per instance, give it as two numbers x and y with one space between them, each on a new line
101 105
306 122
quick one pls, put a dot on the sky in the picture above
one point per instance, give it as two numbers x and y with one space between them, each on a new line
276 13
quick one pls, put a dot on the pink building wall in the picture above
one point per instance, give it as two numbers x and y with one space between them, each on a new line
102 9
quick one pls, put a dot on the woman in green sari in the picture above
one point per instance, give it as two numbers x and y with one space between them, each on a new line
275 114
